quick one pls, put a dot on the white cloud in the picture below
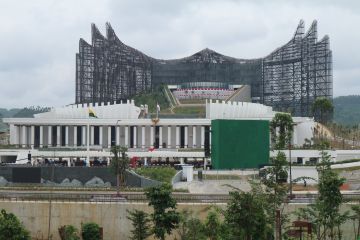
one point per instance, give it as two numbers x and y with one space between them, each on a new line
39 38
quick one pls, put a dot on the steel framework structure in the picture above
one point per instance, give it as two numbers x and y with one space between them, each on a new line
298 73
289 79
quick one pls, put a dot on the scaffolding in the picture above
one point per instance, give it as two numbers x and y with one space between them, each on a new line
289 79
108 70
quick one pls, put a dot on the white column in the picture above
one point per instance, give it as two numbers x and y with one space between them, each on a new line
41 136
143 137
92 135
127 136
186 129
58 130
151 136
202 136
32 136
18 138
135 136
23 137
109 136
169 137
100 135
49 136
194 136
177 137
14 137
160 137
117 135
67 136
295 137
83 137
75 136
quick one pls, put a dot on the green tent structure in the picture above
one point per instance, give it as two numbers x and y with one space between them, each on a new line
239 144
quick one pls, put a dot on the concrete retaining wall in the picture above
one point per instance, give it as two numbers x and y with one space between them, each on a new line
82 174
111 216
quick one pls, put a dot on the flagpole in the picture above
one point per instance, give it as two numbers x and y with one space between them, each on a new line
88 142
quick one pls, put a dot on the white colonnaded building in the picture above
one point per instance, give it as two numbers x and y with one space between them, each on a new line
66 132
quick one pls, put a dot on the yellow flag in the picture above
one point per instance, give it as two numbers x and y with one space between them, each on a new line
92 113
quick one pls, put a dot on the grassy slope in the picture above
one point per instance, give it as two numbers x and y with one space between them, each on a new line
190 110
162 174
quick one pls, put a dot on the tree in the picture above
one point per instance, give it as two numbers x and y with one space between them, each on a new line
11 228
190 227
356 218
90 231
281 128
141 225
69 232
213 226
276 187
325 212
276 178
246 216
322 109
119 164
165 218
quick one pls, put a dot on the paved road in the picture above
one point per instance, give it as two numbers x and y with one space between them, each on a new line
214 186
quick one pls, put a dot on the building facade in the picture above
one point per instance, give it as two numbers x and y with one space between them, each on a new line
69 130
288 79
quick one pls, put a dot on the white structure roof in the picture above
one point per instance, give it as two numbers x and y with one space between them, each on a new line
237 110
126 110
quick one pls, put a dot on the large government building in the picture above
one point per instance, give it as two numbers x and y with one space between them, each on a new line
288 79
68 132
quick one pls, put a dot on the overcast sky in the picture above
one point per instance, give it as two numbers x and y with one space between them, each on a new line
39 38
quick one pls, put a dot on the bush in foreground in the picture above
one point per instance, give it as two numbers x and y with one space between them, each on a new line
90 231
11 228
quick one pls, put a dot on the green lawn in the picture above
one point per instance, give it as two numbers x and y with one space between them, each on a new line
190 110
161 174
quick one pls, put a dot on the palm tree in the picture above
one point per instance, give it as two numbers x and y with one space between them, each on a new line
119 165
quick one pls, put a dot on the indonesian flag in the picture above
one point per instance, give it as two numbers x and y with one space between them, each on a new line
151 149
92 113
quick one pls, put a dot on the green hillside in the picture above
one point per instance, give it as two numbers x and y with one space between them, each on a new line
347 110
7 113
26 112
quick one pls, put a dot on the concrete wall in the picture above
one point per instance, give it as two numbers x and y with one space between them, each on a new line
336 155
305 171
110 216
82 174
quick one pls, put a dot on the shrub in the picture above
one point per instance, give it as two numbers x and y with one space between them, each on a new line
11 228
69 232
90 231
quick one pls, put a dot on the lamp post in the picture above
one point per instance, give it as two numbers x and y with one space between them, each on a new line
290 164
116 155
290 161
